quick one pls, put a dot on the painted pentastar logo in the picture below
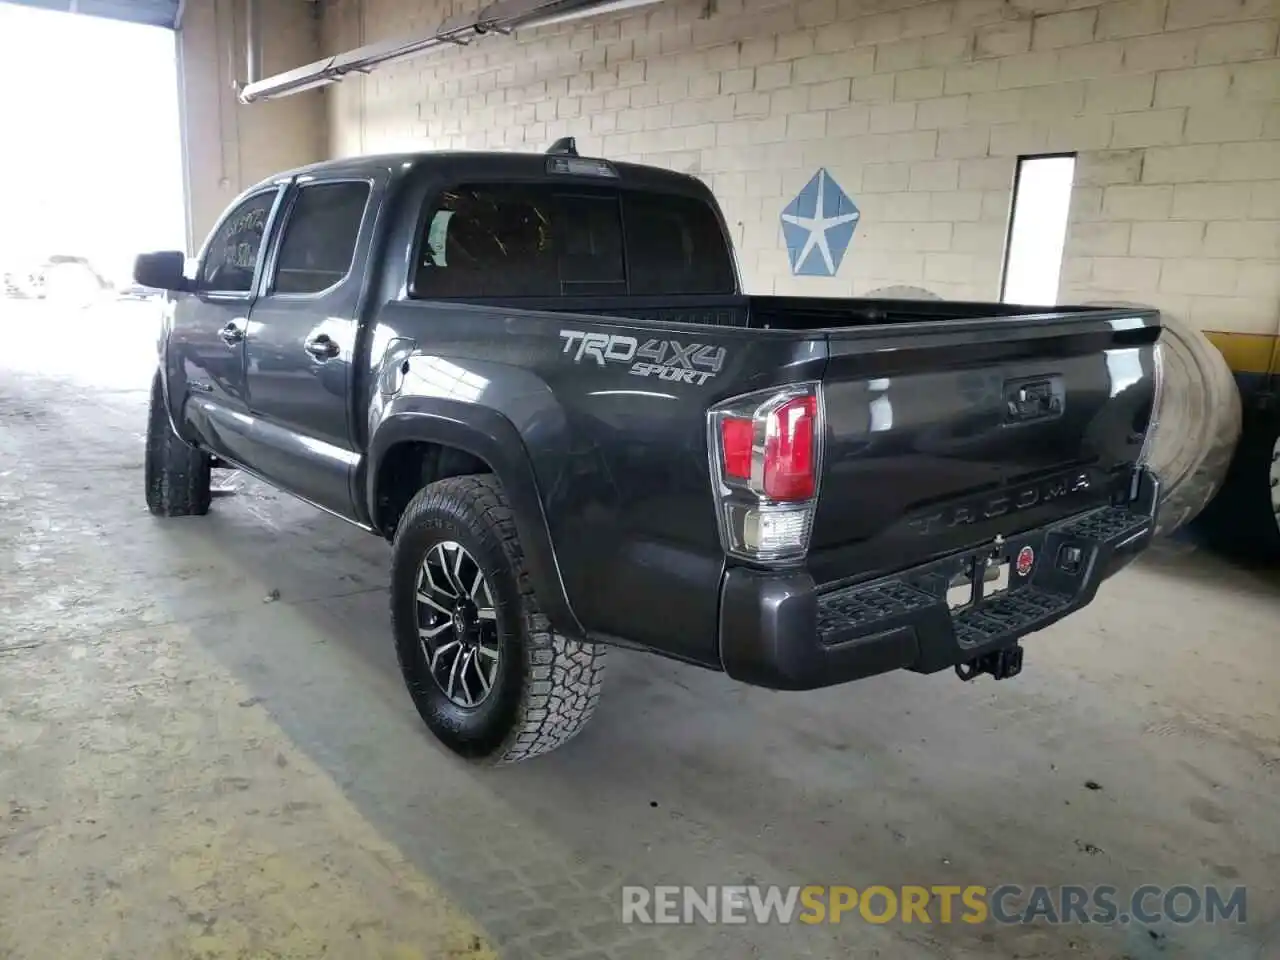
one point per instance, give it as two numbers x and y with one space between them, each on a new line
818 226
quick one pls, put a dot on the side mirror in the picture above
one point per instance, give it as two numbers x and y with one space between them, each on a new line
162 271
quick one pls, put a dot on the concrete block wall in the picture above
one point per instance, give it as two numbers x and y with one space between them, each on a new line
919 110
227 147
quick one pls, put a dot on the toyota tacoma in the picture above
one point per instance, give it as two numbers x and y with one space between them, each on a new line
537 376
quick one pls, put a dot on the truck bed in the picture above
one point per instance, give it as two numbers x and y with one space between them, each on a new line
786 313
922 457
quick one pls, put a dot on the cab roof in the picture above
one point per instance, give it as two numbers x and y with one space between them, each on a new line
494 163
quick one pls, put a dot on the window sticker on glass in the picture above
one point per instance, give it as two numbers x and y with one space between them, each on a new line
233 251
436 235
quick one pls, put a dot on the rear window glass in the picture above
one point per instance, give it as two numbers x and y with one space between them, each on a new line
675 245
546 240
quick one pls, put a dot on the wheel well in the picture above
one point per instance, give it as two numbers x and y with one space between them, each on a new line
407 468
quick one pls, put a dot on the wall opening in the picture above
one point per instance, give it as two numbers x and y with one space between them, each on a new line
1037 229
90 176
92 164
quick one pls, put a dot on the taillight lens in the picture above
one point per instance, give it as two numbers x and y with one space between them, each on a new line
766 454
736 434
788 450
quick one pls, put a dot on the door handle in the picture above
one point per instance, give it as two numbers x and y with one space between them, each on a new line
1027 400
231 334
322 347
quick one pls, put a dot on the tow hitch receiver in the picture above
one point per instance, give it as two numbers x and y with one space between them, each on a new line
1001 664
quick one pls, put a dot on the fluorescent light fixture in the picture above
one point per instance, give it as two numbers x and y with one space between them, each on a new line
315 84
501 17
598 10
271 89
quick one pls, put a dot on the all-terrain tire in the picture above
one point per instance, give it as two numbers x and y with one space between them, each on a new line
1197 423
1243 520
547 685
177 474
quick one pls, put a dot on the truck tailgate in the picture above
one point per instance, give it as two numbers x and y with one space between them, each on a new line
944 435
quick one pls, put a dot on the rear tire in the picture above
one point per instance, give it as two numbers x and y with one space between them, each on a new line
177 474
544 686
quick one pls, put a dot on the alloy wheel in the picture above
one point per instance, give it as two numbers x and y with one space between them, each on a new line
457 624
1274 480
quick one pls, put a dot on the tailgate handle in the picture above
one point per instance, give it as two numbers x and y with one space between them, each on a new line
1027 400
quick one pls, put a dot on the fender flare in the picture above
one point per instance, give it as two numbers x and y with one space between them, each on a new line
488 435
166 399
173 405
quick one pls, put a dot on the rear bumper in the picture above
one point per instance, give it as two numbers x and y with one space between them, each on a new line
780 631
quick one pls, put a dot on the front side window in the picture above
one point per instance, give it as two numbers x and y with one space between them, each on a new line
319 240
521 241
233 253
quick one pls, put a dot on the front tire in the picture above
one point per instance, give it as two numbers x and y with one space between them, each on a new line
489 676
177 474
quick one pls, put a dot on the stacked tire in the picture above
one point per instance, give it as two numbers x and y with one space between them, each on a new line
1197 424
1243 521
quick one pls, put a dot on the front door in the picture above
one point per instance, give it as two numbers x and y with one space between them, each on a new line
300 341
207 344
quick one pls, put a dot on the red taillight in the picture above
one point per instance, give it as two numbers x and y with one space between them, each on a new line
735 441
787 468
788 450
765 452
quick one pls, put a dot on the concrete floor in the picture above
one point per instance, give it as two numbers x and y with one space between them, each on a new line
206 750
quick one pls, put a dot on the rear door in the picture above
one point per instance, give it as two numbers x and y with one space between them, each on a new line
614 416
206 346
300 342
943 436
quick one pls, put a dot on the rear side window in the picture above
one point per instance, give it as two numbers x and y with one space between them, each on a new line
232 256
319 240
546 240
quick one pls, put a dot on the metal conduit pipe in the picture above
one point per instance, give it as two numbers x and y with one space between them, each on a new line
253 42
501 17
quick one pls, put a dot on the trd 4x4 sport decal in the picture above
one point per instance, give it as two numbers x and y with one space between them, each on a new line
669 360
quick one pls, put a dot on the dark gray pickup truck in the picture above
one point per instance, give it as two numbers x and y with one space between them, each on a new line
537 377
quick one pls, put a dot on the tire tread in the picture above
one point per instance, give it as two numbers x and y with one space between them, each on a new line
177 474
563 677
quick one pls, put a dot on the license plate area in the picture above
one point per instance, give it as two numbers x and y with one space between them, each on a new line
976 580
